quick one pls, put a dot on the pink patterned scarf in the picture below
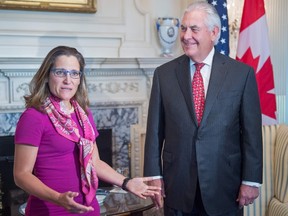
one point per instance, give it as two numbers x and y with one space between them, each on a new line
67 128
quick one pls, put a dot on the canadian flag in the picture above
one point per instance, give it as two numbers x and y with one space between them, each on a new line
253 49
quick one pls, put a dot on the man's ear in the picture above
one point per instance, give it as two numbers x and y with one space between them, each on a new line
214 33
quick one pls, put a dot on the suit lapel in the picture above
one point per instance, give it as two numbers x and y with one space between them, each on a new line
217 77
183 76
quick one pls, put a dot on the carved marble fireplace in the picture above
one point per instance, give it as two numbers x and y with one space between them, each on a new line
119 91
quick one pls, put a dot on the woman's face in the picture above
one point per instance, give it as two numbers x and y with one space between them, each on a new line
61 83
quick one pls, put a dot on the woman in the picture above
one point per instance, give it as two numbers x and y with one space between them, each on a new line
56 157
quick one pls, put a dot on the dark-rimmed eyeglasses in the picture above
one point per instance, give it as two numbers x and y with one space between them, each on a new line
61 72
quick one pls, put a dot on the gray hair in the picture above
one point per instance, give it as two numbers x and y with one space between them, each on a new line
212 18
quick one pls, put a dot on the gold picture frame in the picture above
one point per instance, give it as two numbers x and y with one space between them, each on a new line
80 6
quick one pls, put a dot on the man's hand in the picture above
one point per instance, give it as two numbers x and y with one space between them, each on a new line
247 195
158 198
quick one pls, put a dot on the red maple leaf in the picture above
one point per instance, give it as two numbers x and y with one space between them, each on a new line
265 81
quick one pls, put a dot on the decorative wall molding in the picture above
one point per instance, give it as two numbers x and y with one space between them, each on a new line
138 134
110 81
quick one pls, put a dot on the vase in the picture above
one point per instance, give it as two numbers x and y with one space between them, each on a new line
167 28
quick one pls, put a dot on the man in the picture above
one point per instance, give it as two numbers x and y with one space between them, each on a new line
210 163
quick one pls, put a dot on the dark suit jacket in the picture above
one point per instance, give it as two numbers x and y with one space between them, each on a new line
223 151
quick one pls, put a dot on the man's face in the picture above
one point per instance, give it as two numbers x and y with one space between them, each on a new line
196 39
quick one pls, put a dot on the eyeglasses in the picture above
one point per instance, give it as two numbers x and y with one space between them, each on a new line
61 72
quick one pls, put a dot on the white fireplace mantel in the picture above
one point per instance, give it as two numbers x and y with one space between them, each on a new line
119 90
111 80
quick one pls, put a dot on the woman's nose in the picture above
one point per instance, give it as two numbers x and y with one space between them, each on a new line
67 78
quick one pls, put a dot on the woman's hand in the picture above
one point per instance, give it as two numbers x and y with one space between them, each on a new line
66 200
142 190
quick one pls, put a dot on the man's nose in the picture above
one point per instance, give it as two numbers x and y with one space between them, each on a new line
187 34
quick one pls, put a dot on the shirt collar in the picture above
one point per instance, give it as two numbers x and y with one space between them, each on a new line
208 60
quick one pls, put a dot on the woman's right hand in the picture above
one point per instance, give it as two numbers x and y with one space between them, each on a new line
66 200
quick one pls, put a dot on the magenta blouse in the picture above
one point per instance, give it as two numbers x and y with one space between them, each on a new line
57 163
